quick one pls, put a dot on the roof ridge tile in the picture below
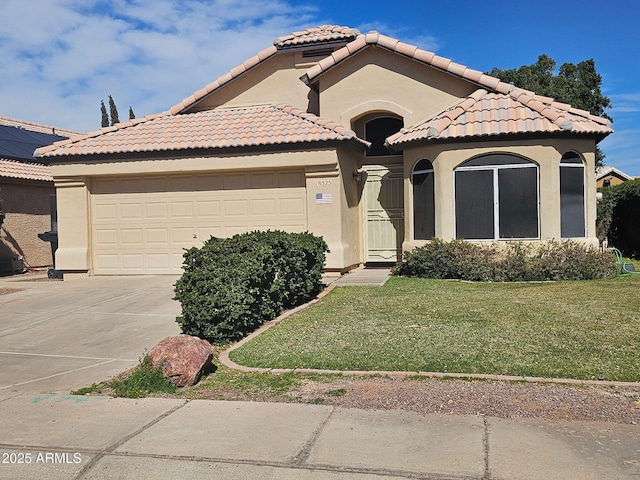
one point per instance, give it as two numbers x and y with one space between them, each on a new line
242 126
485 113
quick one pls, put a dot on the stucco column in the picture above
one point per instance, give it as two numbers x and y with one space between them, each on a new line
324 212
73 225
550 195
591 190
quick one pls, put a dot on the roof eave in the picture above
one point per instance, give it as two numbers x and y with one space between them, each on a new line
353 143
598 137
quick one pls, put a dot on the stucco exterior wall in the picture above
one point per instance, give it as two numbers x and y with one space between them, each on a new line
613 178
377 80
546 153
27 209
276 80
335 216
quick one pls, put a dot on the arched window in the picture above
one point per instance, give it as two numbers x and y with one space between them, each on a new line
377 130
572 217
496 197
424 221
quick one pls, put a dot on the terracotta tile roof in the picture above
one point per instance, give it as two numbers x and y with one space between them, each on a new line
318 35
486 113
326 34
411 51
24 170
222 128
558 113
36 127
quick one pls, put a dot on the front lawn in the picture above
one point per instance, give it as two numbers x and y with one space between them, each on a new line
582 330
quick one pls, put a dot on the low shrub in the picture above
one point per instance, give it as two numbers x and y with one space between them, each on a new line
230 286
553 260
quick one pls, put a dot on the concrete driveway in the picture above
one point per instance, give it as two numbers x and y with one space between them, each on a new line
56 336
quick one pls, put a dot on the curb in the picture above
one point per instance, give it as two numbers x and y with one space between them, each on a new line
227 362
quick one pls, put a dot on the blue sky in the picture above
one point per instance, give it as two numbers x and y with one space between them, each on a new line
61 57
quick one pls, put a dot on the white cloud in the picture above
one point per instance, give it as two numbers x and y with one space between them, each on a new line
622 150
625 102
149 54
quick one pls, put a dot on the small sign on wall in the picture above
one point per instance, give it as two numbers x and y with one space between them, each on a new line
323 199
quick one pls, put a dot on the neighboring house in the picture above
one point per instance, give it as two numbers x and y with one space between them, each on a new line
26 190
374 144
610 177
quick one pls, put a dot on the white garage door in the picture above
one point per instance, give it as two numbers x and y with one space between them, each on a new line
140 225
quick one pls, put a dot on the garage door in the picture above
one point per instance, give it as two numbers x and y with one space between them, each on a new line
140 225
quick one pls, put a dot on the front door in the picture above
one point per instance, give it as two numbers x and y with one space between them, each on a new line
383 213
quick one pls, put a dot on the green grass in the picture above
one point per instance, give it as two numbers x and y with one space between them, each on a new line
226 383
582 330
142 381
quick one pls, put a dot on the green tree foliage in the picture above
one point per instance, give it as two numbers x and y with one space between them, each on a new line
113 111
105 117
578 85
618 219
131 114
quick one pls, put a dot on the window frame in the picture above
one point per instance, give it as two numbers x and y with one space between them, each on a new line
495 169
569 160
414 173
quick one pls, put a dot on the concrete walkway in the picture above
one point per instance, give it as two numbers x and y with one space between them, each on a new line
364 277
58 336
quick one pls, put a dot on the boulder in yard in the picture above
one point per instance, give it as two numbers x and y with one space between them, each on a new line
182 358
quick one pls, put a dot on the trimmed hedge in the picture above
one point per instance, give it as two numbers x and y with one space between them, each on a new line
230 286
567 260
618 218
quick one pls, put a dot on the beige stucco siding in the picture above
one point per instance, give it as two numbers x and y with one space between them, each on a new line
276 80
377 80
137 216
546 154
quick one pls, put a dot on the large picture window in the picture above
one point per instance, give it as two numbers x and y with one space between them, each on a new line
424 223
572 218
496 197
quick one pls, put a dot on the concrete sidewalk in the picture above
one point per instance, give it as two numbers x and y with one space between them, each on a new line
63 437
59 336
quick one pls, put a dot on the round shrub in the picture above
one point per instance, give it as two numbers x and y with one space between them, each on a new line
230 286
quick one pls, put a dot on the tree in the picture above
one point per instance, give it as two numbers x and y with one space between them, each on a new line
131 114
577 85
105 117
114 111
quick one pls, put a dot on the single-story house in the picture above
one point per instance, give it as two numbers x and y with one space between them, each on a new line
610 177
372 143
27 193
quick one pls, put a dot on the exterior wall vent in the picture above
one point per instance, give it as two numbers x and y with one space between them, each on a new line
325 52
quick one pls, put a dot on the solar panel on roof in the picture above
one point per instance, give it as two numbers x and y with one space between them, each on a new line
19 143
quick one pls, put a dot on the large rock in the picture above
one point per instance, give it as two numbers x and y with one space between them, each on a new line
182 358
